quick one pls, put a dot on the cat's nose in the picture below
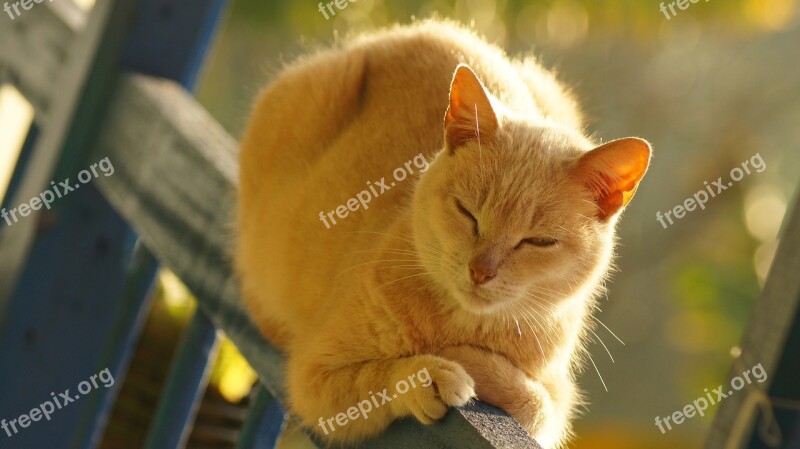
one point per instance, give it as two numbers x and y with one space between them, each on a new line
482 274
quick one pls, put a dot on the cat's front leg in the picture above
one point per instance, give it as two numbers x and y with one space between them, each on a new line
542 406
358 400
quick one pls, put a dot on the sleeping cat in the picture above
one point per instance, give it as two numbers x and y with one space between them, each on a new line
481 272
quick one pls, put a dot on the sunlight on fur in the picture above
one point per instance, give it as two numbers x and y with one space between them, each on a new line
484 270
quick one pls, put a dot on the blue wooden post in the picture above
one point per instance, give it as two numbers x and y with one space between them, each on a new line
119 348
264 423
185 386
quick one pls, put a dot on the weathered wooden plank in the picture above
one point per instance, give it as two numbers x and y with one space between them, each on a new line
175 178
765 337
36 48
67 75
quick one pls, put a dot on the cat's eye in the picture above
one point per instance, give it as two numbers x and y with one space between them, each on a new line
469 215
541 242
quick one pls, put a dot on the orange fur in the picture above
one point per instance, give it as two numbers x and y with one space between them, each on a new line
392 289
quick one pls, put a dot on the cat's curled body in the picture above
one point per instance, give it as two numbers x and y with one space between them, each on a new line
482 270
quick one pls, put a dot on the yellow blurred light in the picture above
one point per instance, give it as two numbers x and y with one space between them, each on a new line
176 296
233 375
86 5
16 116
770 14
764 209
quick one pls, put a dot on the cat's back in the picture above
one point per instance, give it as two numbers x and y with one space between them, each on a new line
376 88
335 119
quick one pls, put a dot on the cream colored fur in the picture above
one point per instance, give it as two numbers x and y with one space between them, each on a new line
392 290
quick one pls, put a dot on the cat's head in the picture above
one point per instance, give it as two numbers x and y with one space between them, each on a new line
519 212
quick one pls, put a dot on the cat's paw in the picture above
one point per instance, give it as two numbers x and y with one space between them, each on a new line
450 386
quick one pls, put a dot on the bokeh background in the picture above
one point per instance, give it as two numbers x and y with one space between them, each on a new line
709 88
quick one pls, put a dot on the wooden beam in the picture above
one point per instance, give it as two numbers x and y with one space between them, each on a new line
36 49
174 182
765 338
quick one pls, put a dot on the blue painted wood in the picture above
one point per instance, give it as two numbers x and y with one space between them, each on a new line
185 385
68 312
60 318
180 399
172 37
118 349
69 296
264 424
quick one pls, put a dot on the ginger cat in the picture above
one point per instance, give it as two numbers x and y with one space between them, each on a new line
481 272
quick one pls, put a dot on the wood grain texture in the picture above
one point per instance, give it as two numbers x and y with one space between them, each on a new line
174 181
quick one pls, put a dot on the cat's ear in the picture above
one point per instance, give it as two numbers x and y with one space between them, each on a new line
612 173
470 115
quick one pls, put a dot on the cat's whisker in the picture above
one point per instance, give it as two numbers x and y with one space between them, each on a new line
386 234
548 310
385 250
424 285
372 262
541 326
420 255
550 293
591 316
598 372
602 343
535 337
570 231
535 296
537 302
402 267
423 255
609 330
398 280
